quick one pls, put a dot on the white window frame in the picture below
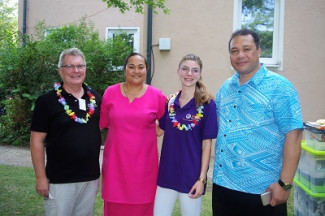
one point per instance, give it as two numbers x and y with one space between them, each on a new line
110 31
276 61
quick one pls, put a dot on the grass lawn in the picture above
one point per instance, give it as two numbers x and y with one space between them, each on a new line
18 196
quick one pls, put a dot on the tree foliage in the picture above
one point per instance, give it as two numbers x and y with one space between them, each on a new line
8 32
138 5
258 15
8 23
28 71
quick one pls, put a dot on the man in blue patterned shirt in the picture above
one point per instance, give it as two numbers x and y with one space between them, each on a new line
260 130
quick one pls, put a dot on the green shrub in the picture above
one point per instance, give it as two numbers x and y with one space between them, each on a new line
30 70
14 127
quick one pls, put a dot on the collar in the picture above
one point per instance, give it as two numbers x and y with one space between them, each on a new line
255 80
84 86
187 106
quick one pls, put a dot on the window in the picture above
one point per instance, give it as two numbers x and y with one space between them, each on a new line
132 33
265 17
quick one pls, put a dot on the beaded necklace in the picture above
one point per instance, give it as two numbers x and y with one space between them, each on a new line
193 122
69 112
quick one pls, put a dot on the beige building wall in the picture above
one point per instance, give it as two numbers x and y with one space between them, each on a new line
204 28
199 27
58 13
304 54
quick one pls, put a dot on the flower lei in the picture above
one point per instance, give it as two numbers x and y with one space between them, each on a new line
179 126
71 114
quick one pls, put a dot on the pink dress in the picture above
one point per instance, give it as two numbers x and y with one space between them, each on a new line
130 159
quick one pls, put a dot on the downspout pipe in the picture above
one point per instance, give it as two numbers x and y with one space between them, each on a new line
24 21
149 43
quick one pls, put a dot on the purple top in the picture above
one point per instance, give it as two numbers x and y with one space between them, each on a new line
181 154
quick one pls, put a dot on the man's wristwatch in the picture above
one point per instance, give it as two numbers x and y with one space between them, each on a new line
285 186
204 181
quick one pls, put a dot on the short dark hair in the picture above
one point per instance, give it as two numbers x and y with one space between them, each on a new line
135 54
245 32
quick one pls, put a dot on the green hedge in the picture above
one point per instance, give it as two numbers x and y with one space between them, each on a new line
28 68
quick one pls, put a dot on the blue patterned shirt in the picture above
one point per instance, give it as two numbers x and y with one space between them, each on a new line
253 120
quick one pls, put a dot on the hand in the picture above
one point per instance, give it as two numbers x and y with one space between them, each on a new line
42 186
279 195
159 131
198 188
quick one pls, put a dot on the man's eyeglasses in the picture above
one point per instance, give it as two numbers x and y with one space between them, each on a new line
186 70
70 67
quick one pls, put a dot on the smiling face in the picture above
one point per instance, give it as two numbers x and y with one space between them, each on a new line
189 73
244 55
73 76
135 70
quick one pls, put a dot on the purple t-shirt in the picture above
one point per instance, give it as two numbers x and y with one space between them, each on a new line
181 154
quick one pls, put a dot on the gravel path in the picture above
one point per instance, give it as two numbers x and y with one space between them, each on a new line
15 156
18 156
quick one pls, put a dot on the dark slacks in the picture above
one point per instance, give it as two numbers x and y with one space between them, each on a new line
226 202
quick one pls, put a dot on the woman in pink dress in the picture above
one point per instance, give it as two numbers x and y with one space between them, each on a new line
129 111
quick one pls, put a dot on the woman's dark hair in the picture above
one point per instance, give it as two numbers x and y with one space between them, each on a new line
135 54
